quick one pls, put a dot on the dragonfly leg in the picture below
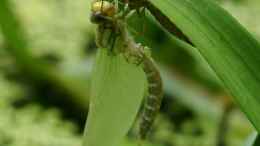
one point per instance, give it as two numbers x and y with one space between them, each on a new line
112 41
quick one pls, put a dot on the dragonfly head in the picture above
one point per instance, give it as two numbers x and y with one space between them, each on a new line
102 12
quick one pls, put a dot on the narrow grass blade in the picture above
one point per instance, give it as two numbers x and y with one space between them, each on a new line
227 47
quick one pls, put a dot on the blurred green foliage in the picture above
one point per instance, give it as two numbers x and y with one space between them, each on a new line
60 33
31 124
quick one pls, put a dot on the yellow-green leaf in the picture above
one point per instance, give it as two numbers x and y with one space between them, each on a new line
117 89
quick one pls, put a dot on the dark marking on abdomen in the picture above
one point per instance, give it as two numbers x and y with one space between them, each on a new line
154 98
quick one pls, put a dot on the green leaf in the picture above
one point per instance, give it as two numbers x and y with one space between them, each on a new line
227 47
117 89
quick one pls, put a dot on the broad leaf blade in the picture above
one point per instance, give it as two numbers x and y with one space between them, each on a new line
116 94
228 48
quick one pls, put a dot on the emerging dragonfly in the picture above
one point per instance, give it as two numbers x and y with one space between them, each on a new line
112 33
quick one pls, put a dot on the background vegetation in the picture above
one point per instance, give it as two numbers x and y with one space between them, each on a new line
50 109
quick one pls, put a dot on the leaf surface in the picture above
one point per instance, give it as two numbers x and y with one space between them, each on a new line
232 52
117 89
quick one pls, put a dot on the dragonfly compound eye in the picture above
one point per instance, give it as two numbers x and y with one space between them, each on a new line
104 8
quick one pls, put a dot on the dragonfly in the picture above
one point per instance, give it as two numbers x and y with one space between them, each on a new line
112 32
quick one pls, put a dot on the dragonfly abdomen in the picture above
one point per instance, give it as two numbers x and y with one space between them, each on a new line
153 101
